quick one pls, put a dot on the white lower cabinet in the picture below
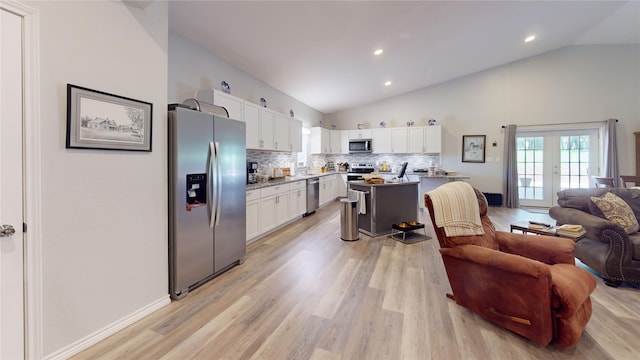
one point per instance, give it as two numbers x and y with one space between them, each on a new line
253 214
328 189
297 199
274 206
270 207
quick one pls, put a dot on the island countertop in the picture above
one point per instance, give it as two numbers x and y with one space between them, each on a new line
386 183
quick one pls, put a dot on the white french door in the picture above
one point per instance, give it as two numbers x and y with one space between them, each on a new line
550 161
11 191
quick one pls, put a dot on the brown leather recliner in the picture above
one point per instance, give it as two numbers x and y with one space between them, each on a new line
528 284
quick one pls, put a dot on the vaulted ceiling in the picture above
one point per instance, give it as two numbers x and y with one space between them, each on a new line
322 52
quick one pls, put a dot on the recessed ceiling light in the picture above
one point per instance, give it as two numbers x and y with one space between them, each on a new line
387 83
530 38
378 52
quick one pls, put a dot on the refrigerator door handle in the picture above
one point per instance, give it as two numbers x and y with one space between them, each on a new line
218 184
210 187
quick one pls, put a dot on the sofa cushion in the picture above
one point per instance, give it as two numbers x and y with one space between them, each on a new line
631 198
617 211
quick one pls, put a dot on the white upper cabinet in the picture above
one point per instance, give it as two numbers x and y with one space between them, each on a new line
324 141
260 127
381 141
399 140
233 104
344 141
433 139
360 134
424 139
335 141
281 133
295 135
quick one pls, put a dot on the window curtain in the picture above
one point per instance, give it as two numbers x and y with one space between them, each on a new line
510 171
611 164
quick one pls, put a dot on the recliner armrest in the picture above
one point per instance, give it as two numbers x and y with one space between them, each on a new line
547 249
501 260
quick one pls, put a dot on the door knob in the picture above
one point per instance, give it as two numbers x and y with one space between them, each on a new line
7 230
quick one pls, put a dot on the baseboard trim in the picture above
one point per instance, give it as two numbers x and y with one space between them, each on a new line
108 330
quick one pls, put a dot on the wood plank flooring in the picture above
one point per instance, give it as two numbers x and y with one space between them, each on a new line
305 294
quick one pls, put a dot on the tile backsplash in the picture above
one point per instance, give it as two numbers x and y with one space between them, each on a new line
315 161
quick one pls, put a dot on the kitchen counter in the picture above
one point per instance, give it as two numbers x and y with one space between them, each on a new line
289 179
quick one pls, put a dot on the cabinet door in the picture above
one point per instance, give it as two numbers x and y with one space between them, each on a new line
344 141
233 104
341 181
267 123
295 135
315 140
297 203
360 134
334 137
399 140
252 114
381 141
268 219
323 194
281 133
253 219
415 139
282 208
433 139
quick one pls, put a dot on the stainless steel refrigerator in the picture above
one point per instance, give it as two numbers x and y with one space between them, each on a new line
207 197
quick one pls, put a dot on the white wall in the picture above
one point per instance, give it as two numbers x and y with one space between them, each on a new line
104 213
575 84
191 68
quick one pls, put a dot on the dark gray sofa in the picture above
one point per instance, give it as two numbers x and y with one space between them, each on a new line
606 247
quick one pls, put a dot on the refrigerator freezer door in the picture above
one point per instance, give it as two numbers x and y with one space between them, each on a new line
191 245
230 202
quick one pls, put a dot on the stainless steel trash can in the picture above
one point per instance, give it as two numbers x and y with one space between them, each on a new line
349 220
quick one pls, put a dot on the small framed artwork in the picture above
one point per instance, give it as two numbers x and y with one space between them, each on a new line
473 148
98 120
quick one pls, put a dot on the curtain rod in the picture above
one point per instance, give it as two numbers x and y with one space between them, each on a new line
571 123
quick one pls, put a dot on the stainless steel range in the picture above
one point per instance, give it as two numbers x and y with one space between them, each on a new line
357 170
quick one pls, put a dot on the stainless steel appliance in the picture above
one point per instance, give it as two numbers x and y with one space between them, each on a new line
357 170
357 146
252 172
207 196
313 195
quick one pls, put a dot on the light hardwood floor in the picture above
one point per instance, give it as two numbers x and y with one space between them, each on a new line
305 294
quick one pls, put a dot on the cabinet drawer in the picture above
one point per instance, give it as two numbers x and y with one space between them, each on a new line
273 190
253 195
297 185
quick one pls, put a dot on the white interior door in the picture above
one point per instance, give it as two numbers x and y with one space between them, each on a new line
11 190
550 161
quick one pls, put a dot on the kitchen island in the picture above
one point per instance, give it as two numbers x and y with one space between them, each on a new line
386 204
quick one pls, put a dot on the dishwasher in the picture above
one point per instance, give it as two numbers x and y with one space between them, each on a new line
313 195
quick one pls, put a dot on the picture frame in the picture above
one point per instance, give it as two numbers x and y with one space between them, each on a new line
99 120
473 148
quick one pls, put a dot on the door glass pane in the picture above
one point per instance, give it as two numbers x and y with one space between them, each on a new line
574 161
530 155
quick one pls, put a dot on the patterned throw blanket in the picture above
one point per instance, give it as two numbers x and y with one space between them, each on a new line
456 209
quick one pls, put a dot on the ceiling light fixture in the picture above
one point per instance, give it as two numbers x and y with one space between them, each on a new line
387 83
378 52
529 38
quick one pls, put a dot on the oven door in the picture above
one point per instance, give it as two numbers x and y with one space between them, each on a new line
354 177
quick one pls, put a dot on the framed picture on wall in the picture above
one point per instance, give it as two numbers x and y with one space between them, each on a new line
473 148
98 120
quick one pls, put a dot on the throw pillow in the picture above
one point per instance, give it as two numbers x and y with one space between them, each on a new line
617 211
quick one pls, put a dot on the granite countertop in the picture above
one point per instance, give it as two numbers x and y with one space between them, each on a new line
289 179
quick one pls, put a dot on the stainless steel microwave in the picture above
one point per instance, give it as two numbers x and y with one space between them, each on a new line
359 146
